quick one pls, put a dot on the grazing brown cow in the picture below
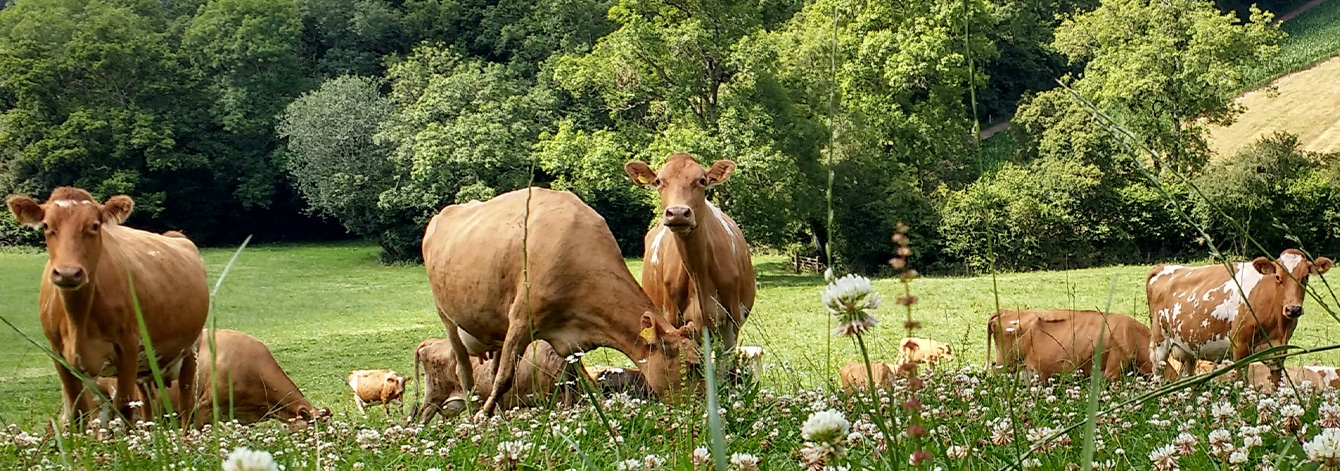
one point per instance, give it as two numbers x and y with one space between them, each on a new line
575 292
919 350
537 376
853 376
86 305
251 387
1200 313
377 386
704 267
1051 342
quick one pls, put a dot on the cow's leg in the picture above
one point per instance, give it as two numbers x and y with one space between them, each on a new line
1187 360
513 345
465 375
73 397
127 363
186 389
359 402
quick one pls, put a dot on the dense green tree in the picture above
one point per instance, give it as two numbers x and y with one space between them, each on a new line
1166 68
332 158
350 36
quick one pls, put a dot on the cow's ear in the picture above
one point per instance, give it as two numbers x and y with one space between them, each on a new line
912 345
649 333
1264 266
26 211
1322 265
720 172
640 172
688 330
117 209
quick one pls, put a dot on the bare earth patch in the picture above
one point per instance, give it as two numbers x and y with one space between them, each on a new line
1307 104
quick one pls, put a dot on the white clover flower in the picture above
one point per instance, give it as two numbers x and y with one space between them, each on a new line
827 426
1221 442
1185 443
368 439
510 452
1324 447
243 459
955 452
1222 410
849 298
631 464
652 462
1329 415
744 461
828 275
700 456
1238 457
1292 411
1032 463
1164 458
136 404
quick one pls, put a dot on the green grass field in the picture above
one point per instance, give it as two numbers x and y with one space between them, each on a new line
326 310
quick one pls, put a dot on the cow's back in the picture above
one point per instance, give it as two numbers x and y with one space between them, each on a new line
247 371
473 255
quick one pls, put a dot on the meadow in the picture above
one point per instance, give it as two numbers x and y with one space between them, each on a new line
325 310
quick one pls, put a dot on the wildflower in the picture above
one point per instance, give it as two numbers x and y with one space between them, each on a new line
1164 458
1001 433
510 452
700 457
1293 418
1325 447
1221 443
1238 457
630 464
243 459
828 427
744 461
652 462
1032 463
368 439
1185 443
1330 415
1222 411
956 452
136 404
849 298
1265 408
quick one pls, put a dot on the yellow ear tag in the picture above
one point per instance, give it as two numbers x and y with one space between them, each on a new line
642 180
648 335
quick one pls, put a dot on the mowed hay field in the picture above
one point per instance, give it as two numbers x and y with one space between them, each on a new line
1305 103
327 310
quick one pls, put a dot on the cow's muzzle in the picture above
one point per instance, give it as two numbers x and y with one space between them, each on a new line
679 219
68 277
1293 312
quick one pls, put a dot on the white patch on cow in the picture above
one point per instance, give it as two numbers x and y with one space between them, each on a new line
353 382
1014 322
1291 261
1167 270
1247 277
1176 310
656 244
1191 298
1328 373
1009 329
1206 297
69 203
154 253
722 217
1204 323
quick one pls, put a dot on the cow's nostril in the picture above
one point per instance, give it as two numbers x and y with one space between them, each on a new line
67 276
1293 311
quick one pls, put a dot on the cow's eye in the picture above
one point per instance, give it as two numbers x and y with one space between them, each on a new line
656 182
46 230
702 181
95 227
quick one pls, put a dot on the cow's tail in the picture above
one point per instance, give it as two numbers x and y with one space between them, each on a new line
990 338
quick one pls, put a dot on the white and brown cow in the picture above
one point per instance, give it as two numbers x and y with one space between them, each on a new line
537 376
538 264
925 351
1210 313
88 311
377 386
696 263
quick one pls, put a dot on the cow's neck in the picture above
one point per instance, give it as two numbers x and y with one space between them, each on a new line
78 303
695 249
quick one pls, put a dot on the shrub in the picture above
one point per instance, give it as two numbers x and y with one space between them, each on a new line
1270 182
13 234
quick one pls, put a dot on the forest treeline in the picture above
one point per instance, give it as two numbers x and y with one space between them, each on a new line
303 119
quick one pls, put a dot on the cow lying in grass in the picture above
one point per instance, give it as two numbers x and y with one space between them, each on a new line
251 386
1055 342
854 377
536 380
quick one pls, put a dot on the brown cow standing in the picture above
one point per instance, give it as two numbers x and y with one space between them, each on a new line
854 377
377 386
1062 341
1199 313
704 267
537 376
87 309
252 387
580 294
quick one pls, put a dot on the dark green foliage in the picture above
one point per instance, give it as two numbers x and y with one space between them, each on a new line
1277 191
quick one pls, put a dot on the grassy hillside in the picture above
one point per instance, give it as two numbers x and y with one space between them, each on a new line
1314 36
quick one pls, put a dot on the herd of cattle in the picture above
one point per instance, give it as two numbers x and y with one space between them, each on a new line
524 281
